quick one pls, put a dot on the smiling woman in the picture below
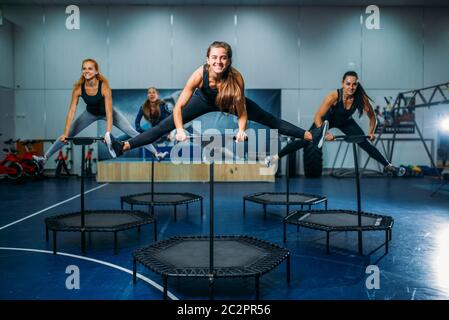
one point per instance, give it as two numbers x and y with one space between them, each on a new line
94 89
215 86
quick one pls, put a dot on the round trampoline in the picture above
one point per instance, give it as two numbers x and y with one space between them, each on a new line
86 221
152 199
284 198
343 220
188 256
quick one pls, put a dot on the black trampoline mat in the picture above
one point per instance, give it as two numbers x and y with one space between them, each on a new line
100 220
301 198
340 219
161 197
194 253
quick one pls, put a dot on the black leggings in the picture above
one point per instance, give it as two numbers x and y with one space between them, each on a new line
350 128
196 107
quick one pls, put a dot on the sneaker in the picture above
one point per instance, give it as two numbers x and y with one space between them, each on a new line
115 147
41 160
318 134
395 171
268 161
161 155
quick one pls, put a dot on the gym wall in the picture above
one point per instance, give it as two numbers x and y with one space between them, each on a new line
7 114
303 51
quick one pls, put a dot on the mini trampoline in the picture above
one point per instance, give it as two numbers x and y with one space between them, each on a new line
280 198
211 256
234 257
99 221
284 198
340 220
343 220
152 199
86 221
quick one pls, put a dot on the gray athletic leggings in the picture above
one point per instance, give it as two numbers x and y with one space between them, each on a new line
87 118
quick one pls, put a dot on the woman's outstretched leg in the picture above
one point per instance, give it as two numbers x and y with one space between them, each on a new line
195 108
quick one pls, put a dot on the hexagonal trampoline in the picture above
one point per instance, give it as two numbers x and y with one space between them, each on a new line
280 198
189 256
340 220
162 199
152 199
85 221
98 221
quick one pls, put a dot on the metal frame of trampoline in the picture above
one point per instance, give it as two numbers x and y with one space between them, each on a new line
56 223
386 221
148 256
255 197
190 198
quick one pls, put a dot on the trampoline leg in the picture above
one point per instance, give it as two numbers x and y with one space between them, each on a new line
327 243
391 231
165 284
83 241
155 230
244 207
115 243
285 232
302 207
46 233
257 283
152 210
360 242
211 288
386 241
134 271
121 205
325 205
54 242
138 229
175 213
264 212
201 202
132 206
288 269
187 208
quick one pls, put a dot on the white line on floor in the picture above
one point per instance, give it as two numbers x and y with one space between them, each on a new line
147 280
51 207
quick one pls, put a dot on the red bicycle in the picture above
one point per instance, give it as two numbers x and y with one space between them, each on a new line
30 166
10 166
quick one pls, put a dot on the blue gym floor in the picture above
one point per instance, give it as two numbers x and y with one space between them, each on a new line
416 266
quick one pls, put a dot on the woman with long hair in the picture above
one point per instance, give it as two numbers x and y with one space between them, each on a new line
215 86
94 89
337 108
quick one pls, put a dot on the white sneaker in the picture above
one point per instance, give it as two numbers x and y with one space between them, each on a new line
161 155
270 161
107 138
41 160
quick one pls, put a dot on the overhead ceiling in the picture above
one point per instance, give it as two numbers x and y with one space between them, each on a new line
405 3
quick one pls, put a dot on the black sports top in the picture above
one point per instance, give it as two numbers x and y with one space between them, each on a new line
94 104
337 113
206 92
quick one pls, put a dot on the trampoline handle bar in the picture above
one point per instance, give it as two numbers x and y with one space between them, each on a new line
351 139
